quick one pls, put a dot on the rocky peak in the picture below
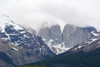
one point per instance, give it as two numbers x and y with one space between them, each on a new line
55 33
74 35
19 36
44 33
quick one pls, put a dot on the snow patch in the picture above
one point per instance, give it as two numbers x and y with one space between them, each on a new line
16 26
23 32
51 40
92 40
2 26
57 49
43 39
95 34
61 46
75 49
79 47
15 49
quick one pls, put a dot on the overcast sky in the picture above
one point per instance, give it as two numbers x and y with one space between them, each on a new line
36 12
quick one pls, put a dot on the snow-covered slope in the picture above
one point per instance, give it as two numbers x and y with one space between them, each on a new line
56 48
19 36
5 21
95 33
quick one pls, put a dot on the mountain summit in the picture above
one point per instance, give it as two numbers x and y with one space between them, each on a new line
18 36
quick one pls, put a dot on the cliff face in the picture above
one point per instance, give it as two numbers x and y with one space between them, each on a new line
44 32
73 35
60 41
55 33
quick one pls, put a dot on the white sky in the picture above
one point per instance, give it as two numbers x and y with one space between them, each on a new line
36 12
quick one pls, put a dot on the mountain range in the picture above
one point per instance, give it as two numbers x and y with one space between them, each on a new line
20 37
20 45
85 54
60 41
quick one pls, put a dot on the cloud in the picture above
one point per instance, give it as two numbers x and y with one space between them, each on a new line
77 12
35 12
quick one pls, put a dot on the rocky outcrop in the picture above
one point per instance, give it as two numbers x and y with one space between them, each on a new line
15 55
73 35
55 34
52 36
44 33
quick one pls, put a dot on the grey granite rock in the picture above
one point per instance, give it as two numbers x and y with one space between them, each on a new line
55 34
73 35
44 33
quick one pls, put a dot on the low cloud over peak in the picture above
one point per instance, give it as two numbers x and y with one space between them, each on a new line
36 12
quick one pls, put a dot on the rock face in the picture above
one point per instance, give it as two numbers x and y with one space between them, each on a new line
44 32
14 55
72 35
52 36
55 33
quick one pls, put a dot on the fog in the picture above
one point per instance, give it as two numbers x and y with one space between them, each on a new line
35 13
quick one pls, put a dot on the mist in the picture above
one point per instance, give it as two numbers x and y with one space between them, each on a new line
34 13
